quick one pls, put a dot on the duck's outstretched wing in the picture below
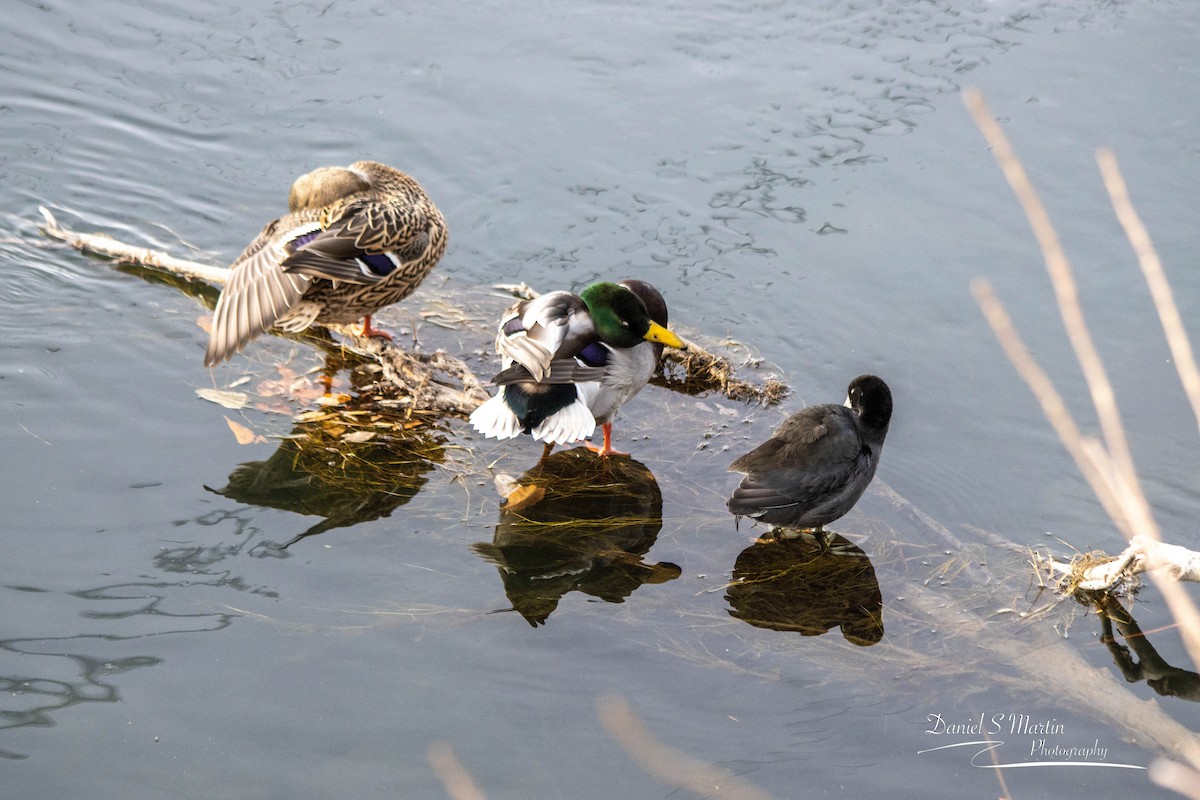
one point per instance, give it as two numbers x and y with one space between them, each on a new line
539 332
364 246
258 293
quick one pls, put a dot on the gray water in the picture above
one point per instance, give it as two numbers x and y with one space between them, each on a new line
801 177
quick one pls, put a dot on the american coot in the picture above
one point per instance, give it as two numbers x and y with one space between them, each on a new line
818 462
355 239
570 361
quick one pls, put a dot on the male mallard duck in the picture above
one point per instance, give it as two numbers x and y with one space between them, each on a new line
356 239
570 361
818 462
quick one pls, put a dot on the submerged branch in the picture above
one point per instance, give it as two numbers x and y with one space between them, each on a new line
437 381
100 244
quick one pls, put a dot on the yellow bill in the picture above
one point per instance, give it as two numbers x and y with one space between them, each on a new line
658 333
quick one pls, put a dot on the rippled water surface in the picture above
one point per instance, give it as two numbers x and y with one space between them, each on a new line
799 177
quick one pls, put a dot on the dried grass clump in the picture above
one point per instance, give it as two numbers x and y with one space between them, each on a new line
697 370
1074 577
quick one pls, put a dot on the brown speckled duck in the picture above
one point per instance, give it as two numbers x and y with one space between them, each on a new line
356 239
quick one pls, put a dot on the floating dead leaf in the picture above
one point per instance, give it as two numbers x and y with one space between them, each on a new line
313 416
524 497
331 399
290 384
233 400
243 434
358 437
505 484
273 407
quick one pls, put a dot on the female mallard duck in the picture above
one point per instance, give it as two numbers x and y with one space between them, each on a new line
570 361
818 462
356 239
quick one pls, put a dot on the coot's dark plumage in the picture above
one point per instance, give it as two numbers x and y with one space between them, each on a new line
818 462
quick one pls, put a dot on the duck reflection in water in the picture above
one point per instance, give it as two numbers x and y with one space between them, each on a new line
583 523
323 470
808 584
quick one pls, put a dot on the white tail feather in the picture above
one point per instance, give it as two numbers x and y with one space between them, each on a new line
495 419
571 424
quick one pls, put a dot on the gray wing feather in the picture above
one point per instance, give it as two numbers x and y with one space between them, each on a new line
551 327
563 370
257 296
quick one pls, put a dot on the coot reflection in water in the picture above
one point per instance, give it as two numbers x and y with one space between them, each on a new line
319 472
808 584
590 522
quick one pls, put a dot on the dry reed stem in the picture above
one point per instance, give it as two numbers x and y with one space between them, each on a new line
451 772
1156 279
667 764
1063 281
1051 401
1109 470
1177 777
1005 794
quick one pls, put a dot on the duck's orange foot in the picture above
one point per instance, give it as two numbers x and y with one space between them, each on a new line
368 330
606 449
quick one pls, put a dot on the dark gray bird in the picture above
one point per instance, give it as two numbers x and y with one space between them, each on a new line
818 462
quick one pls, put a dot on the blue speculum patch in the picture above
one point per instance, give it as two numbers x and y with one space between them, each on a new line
594 355
377 263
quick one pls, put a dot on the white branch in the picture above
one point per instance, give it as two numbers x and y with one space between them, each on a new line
109 247
1142 555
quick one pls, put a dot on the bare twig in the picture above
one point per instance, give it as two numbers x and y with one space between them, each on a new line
1156 279
1175 776
667 764
102 245
451 772
1179 563
1065 290
1109 469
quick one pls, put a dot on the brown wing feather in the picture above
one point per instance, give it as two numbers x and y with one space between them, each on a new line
362 228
